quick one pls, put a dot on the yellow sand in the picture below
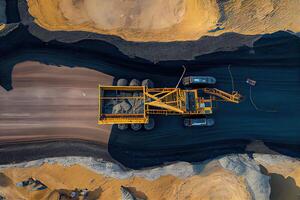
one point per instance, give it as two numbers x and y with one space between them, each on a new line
2 26
166 20
134 20
217 184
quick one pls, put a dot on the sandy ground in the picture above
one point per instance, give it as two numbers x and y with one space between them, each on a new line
171 20
210 182
209 185
2 26
50 102
285 175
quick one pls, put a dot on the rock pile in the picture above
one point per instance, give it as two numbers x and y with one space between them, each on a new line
129 106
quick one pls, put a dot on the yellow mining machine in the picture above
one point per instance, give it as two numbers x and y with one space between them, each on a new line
134 104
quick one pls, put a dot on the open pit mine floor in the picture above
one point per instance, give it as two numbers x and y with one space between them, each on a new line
49 96
42 100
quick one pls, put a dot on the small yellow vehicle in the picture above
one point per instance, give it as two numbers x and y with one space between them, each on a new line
134 103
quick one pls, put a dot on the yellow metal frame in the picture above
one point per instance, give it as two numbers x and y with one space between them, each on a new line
166 99
234 97
121 118
163 101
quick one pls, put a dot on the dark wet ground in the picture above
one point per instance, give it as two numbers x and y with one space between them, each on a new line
27 151
276 94
273 62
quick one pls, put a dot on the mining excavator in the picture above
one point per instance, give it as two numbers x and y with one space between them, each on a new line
135 103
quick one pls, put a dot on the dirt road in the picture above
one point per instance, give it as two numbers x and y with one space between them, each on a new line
49 103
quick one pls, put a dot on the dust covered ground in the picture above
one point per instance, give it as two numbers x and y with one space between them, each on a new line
234 177
171 20
45 104
50 103
207 185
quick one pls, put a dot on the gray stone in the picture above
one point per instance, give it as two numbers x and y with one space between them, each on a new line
117 109
242 165
148 83
135 82
125 106
127 194
122 107
122 82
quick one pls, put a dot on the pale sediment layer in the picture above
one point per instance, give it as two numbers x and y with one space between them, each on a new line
209 180
236 177
154 52
58 177
176 20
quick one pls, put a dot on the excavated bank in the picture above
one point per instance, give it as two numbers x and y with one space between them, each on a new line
183 180
152 51
239 177
165 21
